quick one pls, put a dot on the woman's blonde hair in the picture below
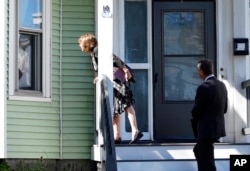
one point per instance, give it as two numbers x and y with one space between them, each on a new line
88 41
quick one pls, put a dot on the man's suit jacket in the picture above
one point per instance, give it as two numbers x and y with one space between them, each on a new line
209 109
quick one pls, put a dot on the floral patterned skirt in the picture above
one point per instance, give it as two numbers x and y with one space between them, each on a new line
123 96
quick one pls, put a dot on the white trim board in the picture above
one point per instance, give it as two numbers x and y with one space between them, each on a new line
2 82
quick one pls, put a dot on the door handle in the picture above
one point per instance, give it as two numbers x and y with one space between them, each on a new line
155 80
155 77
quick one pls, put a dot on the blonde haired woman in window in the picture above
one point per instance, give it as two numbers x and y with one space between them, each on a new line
123 96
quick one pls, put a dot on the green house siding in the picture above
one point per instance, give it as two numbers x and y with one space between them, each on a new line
35 129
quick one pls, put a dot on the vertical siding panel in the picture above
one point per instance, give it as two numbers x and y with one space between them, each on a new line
33 128
78 90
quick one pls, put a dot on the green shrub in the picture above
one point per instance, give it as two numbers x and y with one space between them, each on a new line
4 167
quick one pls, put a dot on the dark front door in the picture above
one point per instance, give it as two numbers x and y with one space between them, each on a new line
183 33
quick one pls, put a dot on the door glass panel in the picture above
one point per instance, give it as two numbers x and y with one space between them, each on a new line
140 92
136 31
184 33
180 78
183 47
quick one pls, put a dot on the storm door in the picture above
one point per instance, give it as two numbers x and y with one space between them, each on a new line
183 33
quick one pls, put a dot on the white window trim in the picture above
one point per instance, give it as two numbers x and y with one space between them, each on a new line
3 123
45 95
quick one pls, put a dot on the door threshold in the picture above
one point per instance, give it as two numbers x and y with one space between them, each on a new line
158 142
173 143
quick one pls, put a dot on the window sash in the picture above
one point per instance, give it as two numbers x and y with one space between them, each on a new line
29 55
45 63
29 68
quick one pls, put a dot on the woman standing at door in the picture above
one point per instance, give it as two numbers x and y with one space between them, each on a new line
123 96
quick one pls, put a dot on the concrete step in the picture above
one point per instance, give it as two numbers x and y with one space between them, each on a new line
174 165
177 151
172 157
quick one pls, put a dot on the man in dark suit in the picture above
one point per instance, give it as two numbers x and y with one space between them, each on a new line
208 115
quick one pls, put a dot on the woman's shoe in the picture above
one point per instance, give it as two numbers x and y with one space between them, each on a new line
138 135
118 141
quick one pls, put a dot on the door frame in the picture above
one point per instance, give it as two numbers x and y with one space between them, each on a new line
209 9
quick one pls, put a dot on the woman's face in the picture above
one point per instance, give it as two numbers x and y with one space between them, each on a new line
83 48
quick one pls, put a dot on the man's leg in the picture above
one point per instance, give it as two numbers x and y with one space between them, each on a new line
204 154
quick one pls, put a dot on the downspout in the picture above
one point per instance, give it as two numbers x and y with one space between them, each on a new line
60 84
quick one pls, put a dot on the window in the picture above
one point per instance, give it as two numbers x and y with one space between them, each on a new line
29 49
136 56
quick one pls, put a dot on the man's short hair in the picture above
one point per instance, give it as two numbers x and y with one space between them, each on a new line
206 66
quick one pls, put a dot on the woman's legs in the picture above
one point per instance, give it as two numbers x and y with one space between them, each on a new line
130 111
132 120
116 126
